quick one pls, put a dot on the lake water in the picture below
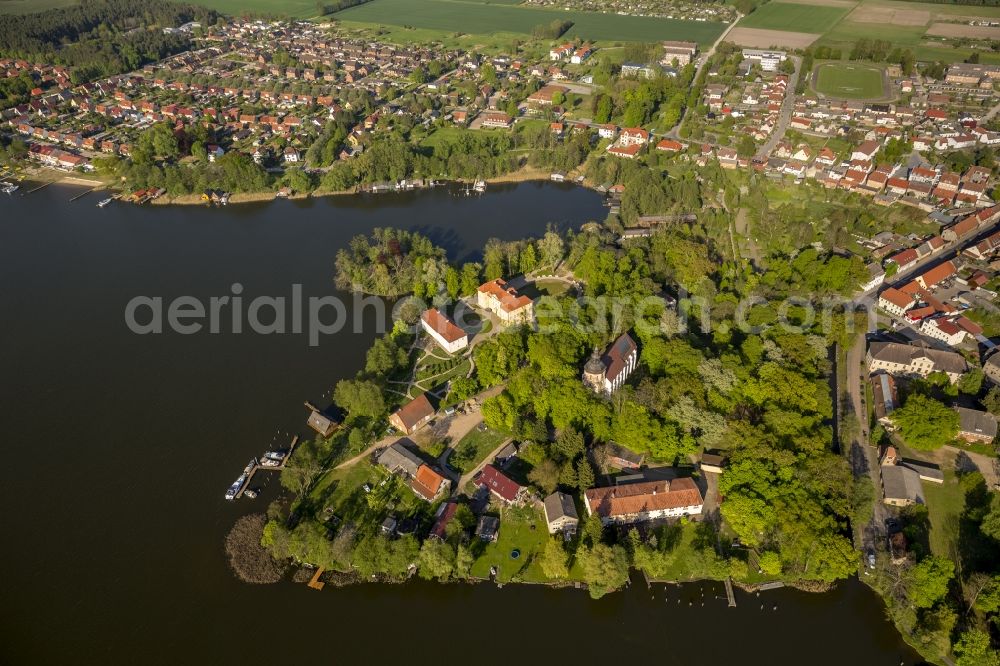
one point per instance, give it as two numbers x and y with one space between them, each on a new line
119 448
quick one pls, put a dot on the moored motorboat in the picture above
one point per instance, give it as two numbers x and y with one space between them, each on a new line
104 202
238 484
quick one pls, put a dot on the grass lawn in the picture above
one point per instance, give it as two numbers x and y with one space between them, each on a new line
523 529
442 135
849 80
338 486
845 33
466 16
794 17
945 503
471 449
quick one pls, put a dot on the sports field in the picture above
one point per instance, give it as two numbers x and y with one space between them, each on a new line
849 80
794 17
470 16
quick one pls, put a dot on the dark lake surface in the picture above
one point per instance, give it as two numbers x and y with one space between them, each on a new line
119 448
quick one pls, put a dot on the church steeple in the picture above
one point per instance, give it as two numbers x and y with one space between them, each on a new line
593 371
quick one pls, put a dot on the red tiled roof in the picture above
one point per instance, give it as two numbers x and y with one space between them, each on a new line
415 411
509 299
630 151
641 497
896 297
427 482
938 273
441 325
444 517
903 258
499 483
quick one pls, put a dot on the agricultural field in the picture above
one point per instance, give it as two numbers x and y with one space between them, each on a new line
28 6
762 38
794 17
849 80
469 16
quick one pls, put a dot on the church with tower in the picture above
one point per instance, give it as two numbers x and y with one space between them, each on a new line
605 373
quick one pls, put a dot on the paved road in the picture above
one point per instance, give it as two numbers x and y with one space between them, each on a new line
989 114
864 458
787 107
697 72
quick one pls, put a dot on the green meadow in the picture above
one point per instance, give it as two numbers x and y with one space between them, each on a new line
469 16
794 17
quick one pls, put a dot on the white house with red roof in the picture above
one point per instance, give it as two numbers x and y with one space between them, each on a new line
895 302
633 136
505 302
944 330
449 337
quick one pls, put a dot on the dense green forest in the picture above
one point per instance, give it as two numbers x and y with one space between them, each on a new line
100 37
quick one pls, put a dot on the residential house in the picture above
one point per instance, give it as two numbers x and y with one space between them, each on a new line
560 513
991 368
942 271
901 486
427 484
943 329
445 513
443 330
886 398
500 485
640 502
914 360
488 528
622 458
976 426
876 276
400 460
411 416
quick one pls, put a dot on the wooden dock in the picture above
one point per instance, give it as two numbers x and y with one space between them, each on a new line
35 189
258 466
316 583
90 191
729 593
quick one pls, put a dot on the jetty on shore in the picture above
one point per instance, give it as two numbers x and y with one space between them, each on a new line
257 466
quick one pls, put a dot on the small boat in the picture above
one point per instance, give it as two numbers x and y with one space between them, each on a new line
8 188
480 186
104 202
251 493
237 485
270 462
275 455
